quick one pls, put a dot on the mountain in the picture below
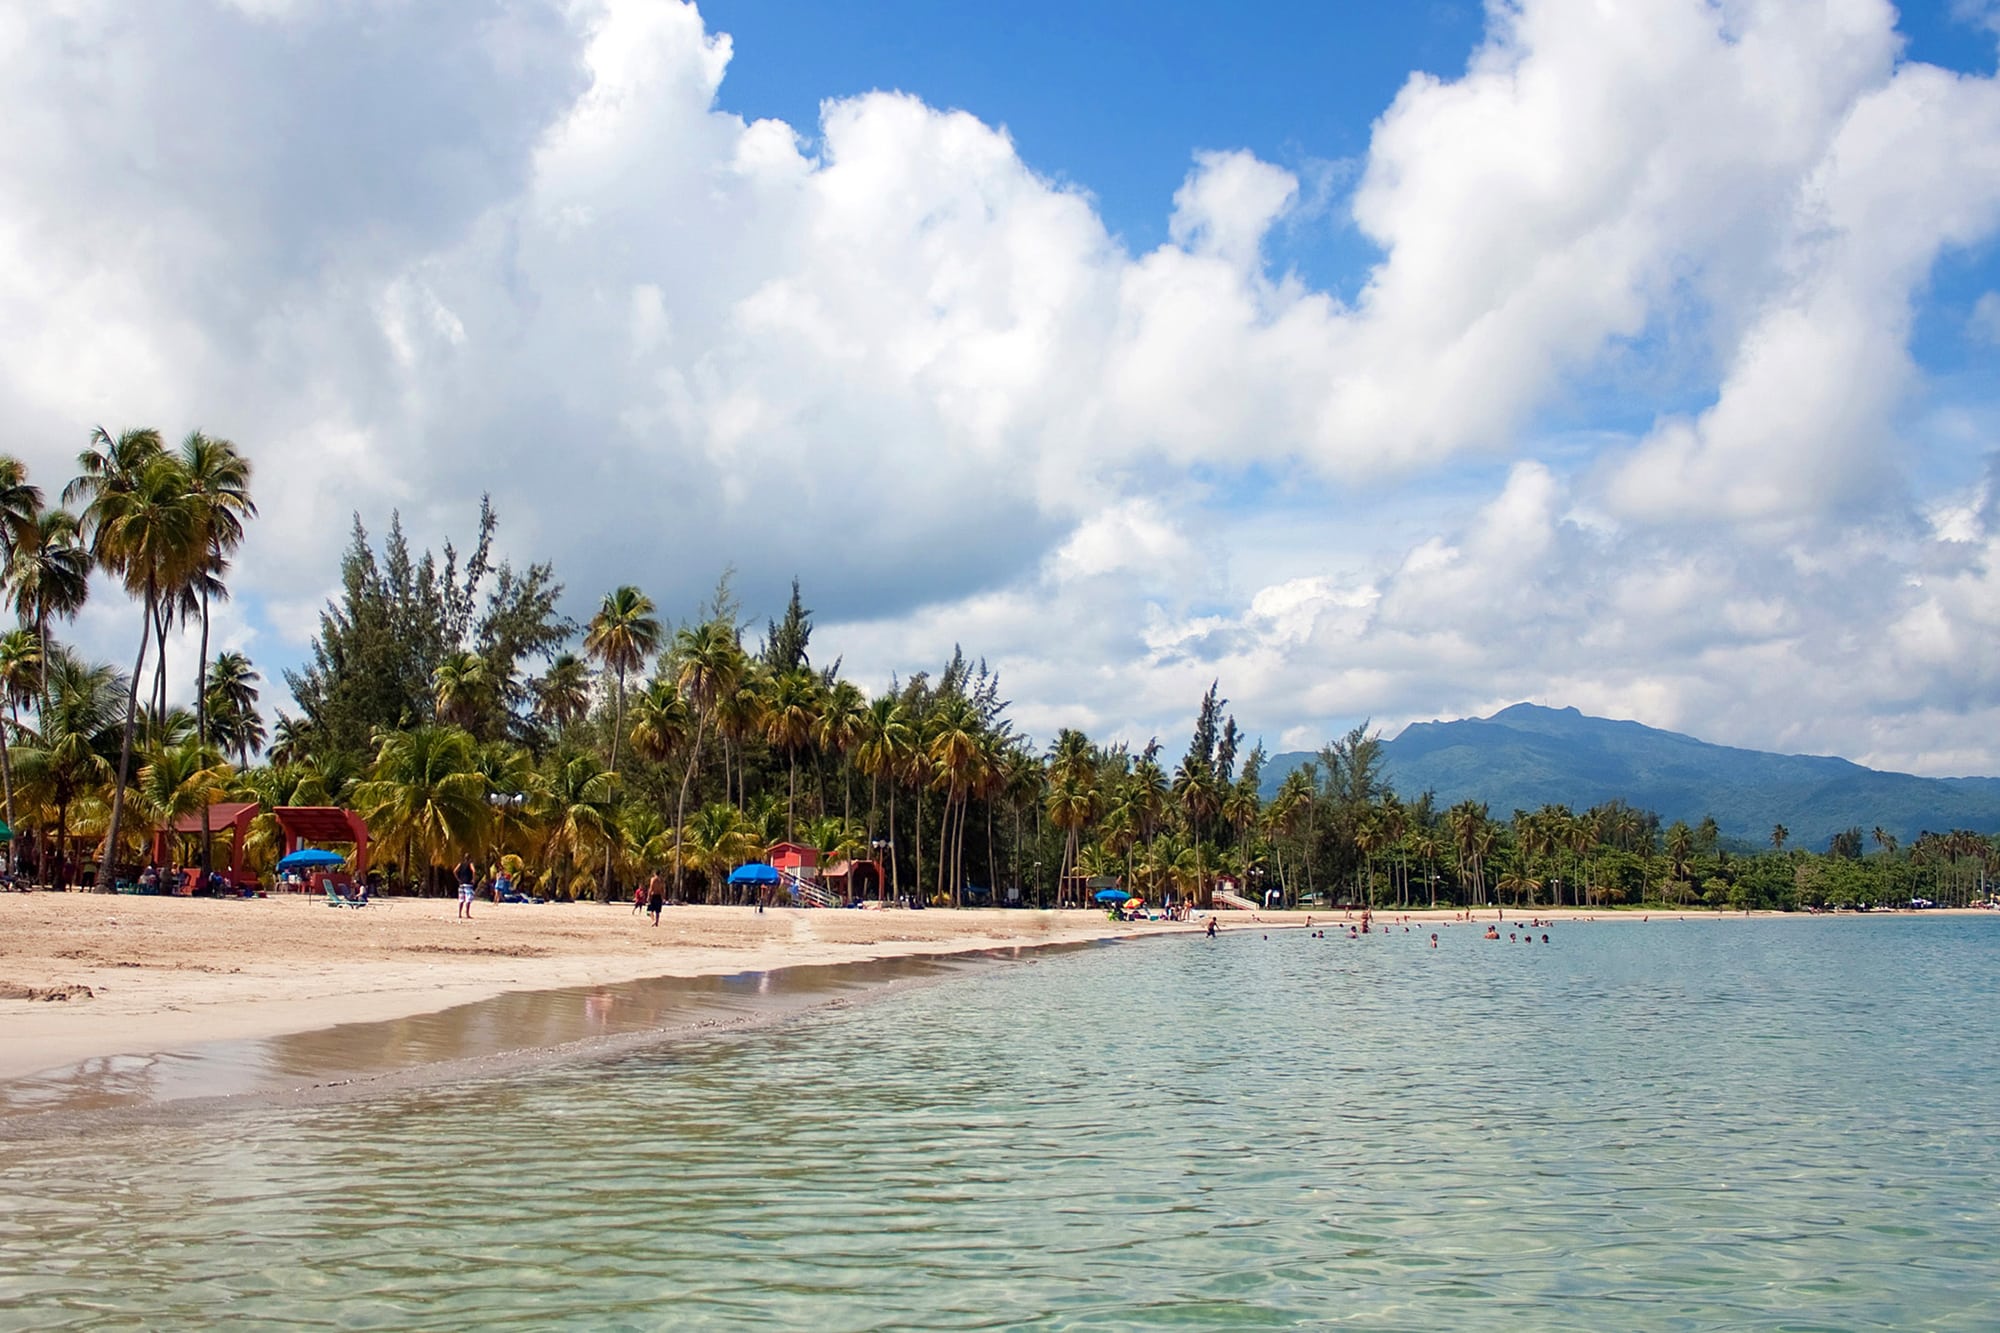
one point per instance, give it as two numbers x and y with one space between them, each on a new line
1527 756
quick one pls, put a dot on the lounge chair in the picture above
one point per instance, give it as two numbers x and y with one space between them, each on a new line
335 899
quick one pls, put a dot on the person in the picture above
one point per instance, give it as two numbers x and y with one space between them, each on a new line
465 887
638 899
656 898
503 885
1492 933
1434 939
1211 928
1545 939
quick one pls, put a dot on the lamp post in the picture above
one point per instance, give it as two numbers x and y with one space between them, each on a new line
881 847
1038 884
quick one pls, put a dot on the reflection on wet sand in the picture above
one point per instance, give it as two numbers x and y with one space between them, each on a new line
487 1036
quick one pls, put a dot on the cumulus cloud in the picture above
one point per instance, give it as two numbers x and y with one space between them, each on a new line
406 254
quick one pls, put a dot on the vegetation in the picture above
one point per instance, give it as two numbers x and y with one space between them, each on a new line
449 700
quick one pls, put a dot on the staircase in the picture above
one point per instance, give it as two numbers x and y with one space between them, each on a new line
1230 898
808 892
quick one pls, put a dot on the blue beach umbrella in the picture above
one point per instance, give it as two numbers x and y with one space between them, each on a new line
1112 895
311 858
754 873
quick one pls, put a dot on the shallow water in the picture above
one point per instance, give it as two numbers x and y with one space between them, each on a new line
1771 1125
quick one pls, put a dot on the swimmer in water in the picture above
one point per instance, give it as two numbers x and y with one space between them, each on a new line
1211 927
1434 939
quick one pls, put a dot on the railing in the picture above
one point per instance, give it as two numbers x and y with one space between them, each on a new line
809 892
1229 898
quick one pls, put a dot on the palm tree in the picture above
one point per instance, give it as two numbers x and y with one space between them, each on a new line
839 732
562 695
578 805
621 636
1072 803
707 663
425 789
69 756
218 480
176 781
144 528
291 740
881 752
952 746
790 716
1778 835
48 574
20 506
231 695
465 689
20 664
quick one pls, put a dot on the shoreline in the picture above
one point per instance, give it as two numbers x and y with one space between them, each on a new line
150 975
162 974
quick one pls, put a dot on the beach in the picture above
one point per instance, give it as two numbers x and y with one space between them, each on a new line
85 975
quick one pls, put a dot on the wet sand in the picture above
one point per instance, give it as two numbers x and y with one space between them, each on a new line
146 975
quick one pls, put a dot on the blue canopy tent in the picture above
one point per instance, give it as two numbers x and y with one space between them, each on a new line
311 858
754 873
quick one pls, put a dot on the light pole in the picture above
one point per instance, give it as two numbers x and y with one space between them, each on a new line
1038 884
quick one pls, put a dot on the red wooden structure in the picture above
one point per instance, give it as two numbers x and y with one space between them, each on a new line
324 823
231 818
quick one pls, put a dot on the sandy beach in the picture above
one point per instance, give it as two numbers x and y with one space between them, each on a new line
145 974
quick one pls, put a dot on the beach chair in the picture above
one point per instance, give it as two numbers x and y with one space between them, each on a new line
333 899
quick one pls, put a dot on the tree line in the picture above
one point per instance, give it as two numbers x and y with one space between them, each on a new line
448 699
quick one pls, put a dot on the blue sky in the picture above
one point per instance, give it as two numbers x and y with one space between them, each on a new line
1381 361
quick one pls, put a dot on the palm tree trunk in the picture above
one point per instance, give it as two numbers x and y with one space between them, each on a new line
791 792
680 809
201 730
895 873
617 729
7 782
105 865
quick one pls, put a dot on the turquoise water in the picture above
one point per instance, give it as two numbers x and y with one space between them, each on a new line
1710 1125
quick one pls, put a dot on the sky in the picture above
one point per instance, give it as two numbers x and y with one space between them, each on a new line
1380 362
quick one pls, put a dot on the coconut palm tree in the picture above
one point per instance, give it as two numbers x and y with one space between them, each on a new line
48 574
20 668
218 481
145 529
231 693
578 808
839 731
425 790
466 689
20 502
178 780
1779 833
291 740
621 636
707 663
1072 804
882 751
952 744
791 714
70 754
562 695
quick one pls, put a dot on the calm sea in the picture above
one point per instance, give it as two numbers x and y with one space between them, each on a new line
1708 1125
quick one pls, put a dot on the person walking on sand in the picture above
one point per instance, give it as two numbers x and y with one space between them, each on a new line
638 899
465 878
656 897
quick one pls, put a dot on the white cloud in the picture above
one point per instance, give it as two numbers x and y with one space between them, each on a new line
454 248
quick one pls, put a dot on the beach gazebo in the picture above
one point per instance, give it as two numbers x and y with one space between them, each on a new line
854 880
300 824
227 817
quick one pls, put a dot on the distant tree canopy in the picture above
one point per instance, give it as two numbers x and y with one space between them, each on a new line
401 621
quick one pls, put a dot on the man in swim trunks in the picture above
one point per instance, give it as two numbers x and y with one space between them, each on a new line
465 877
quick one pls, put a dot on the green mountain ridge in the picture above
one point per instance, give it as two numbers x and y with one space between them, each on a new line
1528 756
